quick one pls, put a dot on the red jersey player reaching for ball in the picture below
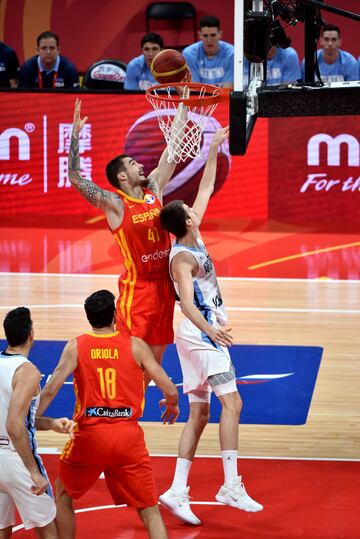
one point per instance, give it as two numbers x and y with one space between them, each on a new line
146 295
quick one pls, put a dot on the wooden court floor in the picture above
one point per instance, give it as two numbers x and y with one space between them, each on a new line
261 311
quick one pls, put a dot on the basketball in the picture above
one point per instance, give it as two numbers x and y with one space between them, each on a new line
168 66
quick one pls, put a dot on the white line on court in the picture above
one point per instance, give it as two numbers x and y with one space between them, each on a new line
104 507
260 279
53 450
229 309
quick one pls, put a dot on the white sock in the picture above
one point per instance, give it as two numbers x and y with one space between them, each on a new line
229 459
181 474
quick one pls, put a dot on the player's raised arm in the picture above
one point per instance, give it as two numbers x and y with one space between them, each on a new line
101 198
163 172
206 186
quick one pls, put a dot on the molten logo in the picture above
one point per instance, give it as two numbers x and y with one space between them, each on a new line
333 145
23 144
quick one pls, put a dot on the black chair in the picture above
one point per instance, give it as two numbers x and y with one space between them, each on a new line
172 11
105 75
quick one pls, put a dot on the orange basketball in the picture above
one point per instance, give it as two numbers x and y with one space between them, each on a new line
168 66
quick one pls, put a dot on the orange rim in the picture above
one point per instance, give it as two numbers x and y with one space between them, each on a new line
216 94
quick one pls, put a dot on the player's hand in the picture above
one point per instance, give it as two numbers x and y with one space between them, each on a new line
78 123
184 91
221 336
64 425
221 135
40 483
171 412
187 76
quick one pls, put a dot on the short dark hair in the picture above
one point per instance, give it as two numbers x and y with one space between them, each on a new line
48 35
18 326
100 308
210 21
152 38
113 168
330 28
173 218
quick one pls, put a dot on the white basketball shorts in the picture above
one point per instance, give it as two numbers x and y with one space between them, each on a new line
199 357
15 491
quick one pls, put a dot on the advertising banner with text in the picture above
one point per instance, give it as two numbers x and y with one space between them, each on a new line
35 134
314 173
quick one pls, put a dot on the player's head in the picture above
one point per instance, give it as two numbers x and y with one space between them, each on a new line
18 326
151 45
330 39
100 309
210 34
123 171
173 218
48 48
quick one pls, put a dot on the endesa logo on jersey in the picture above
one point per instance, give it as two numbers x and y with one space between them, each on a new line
276 383
157 255
315 169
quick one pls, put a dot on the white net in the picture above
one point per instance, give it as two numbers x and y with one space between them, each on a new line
183 128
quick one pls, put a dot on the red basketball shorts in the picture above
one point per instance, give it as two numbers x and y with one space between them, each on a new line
147 308
120 452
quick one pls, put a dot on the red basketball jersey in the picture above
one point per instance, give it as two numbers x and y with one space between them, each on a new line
108 383
144 244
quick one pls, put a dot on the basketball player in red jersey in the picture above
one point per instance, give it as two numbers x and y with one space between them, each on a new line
108 369
146 294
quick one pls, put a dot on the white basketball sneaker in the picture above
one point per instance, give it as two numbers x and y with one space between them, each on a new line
178 502
235 495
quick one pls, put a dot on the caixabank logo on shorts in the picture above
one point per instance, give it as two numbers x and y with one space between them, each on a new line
276 383
105 411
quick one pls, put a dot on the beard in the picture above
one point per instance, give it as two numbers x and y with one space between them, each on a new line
145 182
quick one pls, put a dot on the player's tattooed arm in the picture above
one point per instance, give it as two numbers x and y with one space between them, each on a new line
101 198
154 187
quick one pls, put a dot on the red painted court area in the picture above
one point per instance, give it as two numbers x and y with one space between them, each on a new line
302 499
244 249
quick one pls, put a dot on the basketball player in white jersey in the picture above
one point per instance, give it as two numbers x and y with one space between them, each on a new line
202 342
23 481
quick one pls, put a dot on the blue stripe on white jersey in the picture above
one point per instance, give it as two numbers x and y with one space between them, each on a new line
207 295
30 426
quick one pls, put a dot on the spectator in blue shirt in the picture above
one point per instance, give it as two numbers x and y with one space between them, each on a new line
211 60
48 69
335 65
9 66
283 66
138 74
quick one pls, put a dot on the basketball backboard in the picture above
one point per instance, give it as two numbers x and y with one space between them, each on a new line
251 98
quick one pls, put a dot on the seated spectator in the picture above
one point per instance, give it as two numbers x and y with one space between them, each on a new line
48 69
211 60
138 74
282 66
334 64
9 66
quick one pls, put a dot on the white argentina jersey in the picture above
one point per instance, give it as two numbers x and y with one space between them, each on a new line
207 295
8 365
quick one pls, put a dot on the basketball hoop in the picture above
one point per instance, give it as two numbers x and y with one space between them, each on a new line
183 129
